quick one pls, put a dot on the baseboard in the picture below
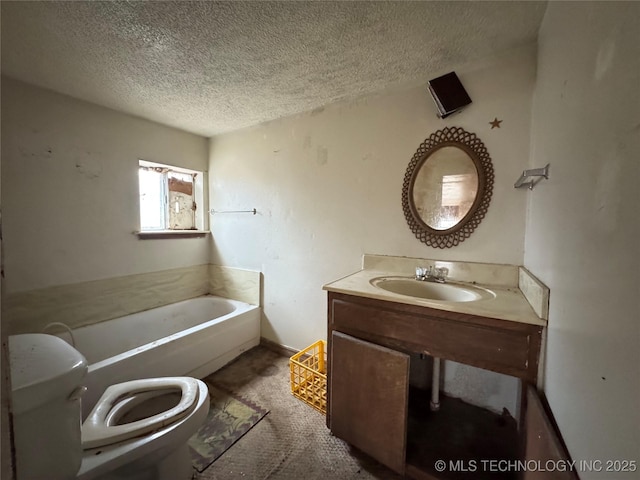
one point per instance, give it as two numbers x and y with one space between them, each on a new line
542 439
278 348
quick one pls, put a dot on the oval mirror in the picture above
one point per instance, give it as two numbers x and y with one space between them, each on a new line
447 187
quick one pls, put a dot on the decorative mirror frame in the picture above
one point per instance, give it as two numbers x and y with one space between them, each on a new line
473 146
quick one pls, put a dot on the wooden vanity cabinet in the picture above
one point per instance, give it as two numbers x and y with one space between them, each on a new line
368 368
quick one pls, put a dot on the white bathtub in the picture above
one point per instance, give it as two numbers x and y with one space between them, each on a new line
193 337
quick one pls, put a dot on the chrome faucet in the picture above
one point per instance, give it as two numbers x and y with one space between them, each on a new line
422 273
432 274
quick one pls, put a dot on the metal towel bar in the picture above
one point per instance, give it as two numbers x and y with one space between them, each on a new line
213 211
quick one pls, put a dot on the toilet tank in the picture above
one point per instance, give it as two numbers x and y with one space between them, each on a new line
46 381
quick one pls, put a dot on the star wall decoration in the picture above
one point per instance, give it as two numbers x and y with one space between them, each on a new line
496 123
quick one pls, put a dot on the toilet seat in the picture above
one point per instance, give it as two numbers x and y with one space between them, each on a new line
97 432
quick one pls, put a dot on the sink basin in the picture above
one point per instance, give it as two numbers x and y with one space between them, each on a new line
443 292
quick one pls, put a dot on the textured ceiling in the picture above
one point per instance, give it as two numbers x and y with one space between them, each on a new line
211 67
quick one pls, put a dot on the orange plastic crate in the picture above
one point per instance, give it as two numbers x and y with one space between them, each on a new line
309 375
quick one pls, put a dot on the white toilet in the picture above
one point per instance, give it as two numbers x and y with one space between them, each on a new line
138 430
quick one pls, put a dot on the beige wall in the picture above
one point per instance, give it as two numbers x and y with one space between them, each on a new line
327 186
70 201
583 224
70 190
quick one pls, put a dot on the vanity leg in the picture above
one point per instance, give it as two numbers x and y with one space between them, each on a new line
435 386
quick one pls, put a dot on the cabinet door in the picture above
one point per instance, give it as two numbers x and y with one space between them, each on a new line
369 398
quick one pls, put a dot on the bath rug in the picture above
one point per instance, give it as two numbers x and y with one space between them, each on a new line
230 417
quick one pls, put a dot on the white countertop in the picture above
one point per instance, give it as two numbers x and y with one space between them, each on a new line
509 302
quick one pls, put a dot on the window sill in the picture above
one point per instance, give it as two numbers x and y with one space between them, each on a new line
157 234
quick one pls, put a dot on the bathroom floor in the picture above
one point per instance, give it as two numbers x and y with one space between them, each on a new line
292 441
459 433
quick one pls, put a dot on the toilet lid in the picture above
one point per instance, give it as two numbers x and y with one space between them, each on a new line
95 430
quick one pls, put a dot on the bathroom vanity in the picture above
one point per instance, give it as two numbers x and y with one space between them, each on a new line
372 333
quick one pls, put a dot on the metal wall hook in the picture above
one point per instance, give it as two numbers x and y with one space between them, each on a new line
525 179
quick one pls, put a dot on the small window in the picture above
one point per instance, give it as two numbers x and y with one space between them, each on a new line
170 198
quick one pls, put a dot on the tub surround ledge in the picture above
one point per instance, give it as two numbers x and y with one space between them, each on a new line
87 303
235 283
